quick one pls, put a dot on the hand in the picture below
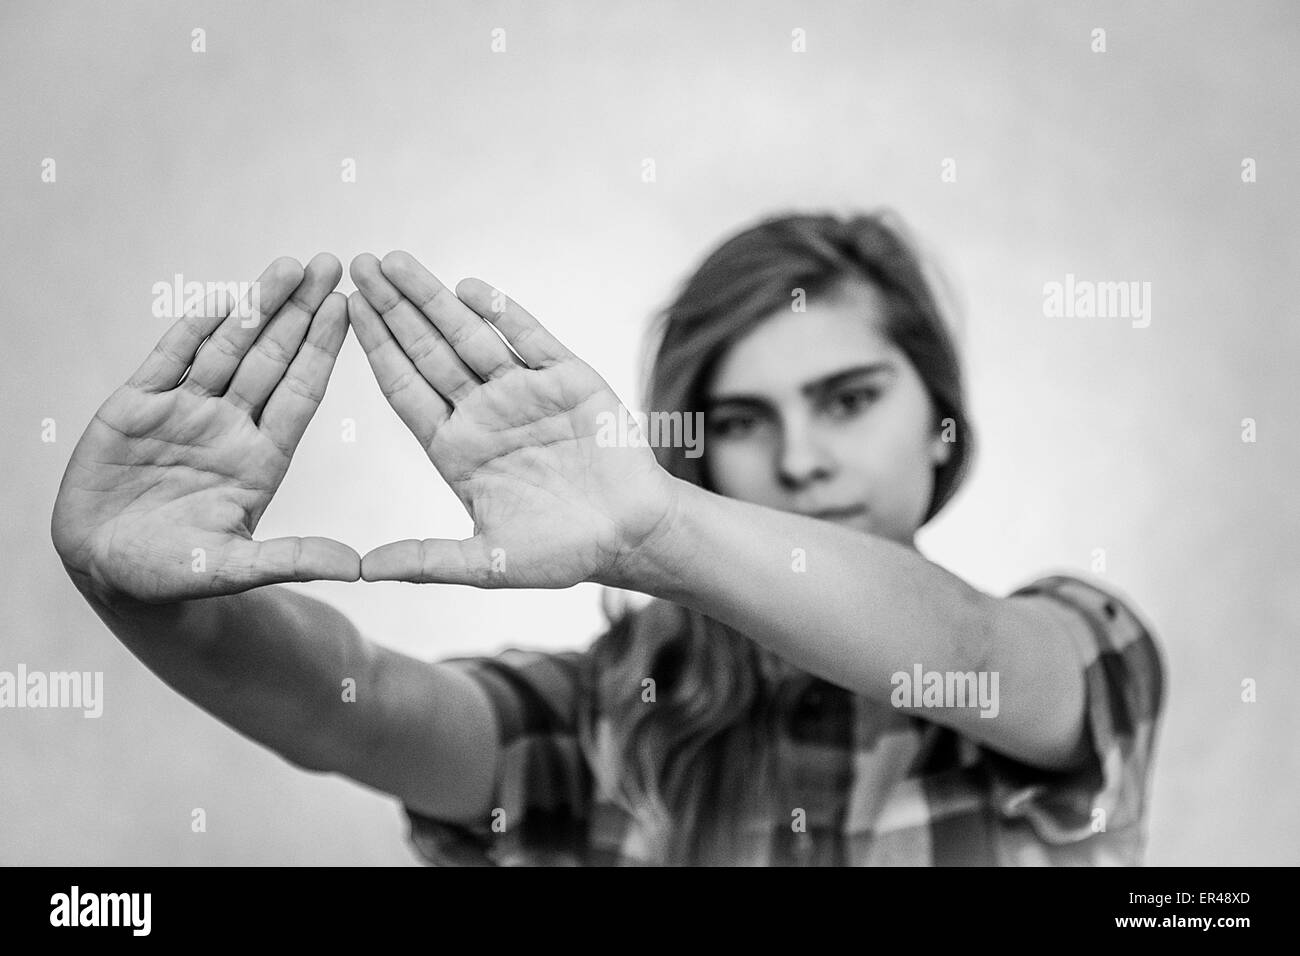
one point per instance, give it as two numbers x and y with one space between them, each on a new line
165 488
517 441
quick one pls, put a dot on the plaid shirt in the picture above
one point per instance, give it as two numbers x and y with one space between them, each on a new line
878 786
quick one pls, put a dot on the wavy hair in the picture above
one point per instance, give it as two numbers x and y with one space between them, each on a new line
687 761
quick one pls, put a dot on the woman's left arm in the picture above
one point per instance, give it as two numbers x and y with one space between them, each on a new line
530 440
870 615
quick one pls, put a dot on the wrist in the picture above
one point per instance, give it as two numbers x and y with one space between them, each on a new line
652 564
96 591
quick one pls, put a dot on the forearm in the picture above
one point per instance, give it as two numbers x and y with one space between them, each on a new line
275 664
857 610
849 607
269 662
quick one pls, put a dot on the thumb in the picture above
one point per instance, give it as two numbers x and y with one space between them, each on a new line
283 560
435 561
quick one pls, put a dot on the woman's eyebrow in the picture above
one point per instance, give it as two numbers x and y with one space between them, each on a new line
835 379
811 389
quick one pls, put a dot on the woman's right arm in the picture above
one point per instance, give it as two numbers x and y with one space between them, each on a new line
273 664
154 522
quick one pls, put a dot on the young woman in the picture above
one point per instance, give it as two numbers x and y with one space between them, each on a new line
804 686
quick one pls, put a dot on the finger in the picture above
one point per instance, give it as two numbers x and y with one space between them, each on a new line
264 366
163 367
283 560
299 392
222 353
416 403
428 350
431 561
535 345
463 329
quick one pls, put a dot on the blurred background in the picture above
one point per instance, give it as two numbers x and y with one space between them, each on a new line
525 165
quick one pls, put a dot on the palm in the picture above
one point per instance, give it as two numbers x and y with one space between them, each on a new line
551 504
520 444
164 492
167 484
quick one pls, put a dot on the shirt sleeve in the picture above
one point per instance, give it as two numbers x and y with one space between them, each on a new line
1105 799
542 793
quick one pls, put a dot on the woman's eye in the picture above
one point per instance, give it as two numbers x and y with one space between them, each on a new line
733 426
852 401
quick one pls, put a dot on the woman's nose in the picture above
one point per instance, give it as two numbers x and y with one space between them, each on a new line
802 458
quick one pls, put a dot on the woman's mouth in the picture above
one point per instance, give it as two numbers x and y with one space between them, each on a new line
849 513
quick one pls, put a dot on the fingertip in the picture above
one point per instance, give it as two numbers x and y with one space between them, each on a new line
358 306
362 264
482 297
339 562
370 568
328 263
337 319
287 268
340 569
469 286
394 261
335 308
387 562
353 568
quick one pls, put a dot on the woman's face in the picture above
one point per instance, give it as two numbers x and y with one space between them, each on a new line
815 412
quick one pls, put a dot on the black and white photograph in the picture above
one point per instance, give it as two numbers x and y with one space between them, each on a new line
688 435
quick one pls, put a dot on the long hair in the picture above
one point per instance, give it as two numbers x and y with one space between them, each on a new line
687 756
